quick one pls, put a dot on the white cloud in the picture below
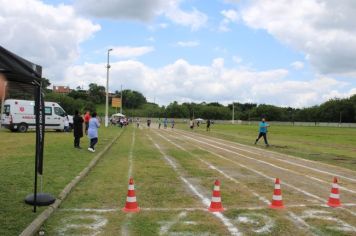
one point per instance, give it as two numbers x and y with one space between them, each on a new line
237 59
325 30
297 65
151 39
47 35
230 16
143 10
190 44
131 52
193 19
182 81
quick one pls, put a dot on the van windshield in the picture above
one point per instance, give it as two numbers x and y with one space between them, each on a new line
7 109
59 111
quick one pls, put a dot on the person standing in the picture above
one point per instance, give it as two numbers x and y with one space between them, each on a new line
191 124
137 122
77 129
86 120
165 123
208 122
263 131
159 123
66 124
173 123
93 131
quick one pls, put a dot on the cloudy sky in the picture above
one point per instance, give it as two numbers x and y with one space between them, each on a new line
284 52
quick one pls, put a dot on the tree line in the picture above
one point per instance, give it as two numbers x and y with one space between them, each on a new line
135 104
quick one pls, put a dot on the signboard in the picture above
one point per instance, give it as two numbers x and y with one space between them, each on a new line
116 102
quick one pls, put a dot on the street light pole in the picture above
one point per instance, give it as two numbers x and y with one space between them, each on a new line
121 100
107 91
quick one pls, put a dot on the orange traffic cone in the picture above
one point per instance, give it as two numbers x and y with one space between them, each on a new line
277 196
131 204
215 205
334 198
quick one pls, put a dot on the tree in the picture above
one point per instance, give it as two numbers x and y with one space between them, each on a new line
133 99
96 93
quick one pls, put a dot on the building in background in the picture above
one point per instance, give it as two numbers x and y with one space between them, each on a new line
61 89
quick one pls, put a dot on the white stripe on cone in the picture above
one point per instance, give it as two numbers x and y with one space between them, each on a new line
131 187
131 199
335 186
216 199
333 195
277 186
216 188
277 197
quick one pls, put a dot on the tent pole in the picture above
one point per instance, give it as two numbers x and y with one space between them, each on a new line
37 112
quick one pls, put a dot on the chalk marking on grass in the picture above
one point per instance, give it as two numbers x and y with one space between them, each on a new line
247 218
271 157
261 198
261 174
325 215
276 166
280 155
167 225
231 228
95 227
131 154
125 226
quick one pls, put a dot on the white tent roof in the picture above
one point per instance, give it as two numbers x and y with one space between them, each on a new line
118 115
199 119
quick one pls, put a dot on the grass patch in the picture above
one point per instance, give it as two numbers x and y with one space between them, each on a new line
61 164
330 145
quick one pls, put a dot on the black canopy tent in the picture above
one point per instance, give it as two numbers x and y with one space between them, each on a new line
25 76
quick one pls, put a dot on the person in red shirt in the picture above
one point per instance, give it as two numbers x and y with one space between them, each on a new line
86 121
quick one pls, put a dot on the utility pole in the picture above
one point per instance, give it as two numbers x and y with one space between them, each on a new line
122 103
107 91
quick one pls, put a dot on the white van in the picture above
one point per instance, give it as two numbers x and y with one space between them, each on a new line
19 115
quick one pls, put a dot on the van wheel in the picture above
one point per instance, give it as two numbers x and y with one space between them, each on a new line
22 128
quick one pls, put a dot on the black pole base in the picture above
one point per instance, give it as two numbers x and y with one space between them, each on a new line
43 199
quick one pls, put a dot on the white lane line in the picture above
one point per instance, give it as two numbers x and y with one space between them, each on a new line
131 154
268 177
282 160
125 226
109 210
285 169
261 198
236 153
230 227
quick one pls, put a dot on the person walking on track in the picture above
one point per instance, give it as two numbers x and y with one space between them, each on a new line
263 131
208 122
93 131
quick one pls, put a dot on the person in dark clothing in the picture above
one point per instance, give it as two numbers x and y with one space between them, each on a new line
208 125
77 129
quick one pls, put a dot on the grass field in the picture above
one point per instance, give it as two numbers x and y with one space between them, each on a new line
174 173
331 145
61 164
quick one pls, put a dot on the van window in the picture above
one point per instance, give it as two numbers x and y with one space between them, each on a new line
59 111
7 109
48 111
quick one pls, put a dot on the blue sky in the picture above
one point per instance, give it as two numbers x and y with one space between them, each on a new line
289 53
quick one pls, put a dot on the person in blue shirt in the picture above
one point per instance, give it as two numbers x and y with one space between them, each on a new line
93 131
263 131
